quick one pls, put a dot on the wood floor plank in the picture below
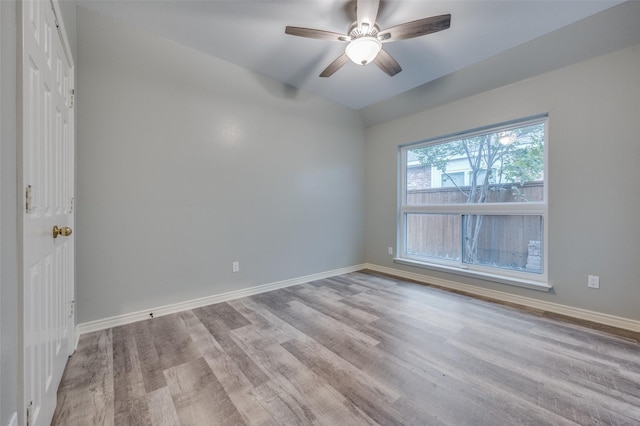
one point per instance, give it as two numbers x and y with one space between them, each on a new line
327 323
233 376
326 404
91 367
428 393
617 350
599 374
512 406
172 342
272 325
221 333
360 348
77 407
159 408
199 397
284 407
332 307
341 286
427 320
150 365
311 322
224 313
128 383
85 396
320 290
369 395
244 398
234 381
571 389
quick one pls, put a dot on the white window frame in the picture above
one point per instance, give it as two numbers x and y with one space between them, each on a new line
535 281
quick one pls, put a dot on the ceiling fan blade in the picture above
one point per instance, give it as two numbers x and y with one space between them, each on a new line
335 65
387 63
317 34
367 13
416 28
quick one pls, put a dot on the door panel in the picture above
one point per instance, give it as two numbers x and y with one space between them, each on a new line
47 176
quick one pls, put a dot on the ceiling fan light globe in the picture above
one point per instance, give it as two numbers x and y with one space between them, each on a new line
506 138
363 50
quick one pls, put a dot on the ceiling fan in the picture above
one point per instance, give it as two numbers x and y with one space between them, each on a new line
364 38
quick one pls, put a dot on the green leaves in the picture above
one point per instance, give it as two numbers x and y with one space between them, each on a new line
526 162
488 163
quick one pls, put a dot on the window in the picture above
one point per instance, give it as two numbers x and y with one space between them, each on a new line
475 203
452 179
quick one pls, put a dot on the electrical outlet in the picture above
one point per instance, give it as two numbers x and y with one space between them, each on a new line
593 281
235 266
390 250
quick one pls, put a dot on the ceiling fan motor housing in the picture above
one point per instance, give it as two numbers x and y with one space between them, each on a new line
356 32
365 39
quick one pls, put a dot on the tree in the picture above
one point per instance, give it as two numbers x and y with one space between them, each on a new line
499 164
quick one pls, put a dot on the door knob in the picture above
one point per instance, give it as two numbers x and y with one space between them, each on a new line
64 231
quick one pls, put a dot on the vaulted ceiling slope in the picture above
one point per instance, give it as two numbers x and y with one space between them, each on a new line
489 43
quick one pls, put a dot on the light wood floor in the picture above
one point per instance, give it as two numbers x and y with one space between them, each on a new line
361 348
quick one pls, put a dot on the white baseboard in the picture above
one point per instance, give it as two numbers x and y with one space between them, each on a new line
597 317
103 324
583 314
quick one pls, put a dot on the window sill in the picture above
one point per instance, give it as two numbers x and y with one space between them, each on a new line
518 282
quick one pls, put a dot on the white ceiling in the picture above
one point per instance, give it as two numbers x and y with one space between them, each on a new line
250 33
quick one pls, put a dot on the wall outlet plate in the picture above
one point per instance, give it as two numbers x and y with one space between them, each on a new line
593 281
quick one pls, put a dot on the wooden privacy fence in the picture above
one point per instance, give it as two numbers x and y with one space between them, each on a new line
505 193
511 241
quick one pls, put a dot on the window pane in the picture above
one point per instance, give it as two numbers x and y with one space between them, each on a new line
434 236
509 242
497 167
453 179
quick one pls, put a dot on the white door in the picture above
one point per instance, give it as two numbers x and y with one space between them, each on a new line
48 187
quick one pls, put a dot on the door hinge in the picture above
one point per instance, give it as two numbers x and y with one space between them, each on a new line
71 205
72 98
28 201
29 412
72 307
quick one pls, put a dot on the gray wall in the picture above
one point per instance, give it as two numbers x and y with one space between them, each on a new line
68 11
8 224
187 163
593 176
